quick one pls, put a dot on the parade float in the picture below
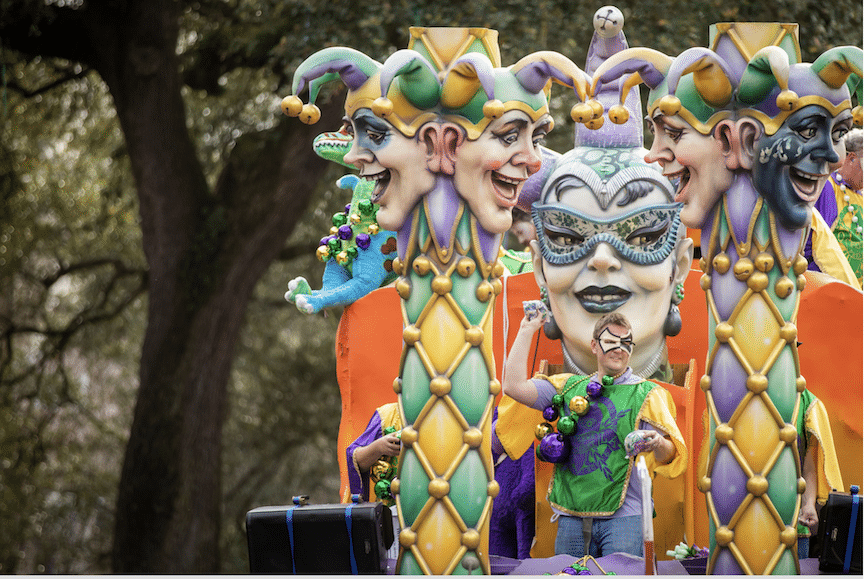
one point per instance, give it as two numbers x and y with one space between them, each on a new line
447 139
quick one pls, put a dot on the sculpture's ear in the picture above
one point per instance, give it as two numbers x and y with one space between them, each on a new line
441 140
683 260
738 142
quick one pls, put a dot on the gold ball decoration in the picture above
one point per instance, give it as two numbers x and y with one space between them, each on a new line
355 218
310 114
382 107
403 288
471 539
578 405
421 265
374 229
442 284
758 281
497 286
789 434
669 105
411 334
334 230
438 488
619 114
409 435
703 484
858 115
541 430
764 262
473 437
800 383
799 266
494 387
723 433
397 266
493 109
594 124
705 282
802 282
292 105
474 335
724 331
342 257
757 485
596 108
322 253
703 264
493 488
787 100
721 263
397 385
394 486
705 383
581 113
380 469
742 269
407 537
440 386
466 266
789 536
724 535
757 383
484 291
498 269
802 485
784 287
788 332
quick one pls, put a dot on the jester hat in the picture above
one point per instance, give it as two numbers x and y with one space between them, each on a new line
771 89
696 85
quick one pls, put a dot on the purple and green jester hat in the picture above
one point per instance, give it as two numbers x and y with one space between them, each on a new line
784 98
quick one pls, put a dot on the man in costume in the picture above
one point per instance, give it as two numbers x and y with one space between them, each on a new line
593 491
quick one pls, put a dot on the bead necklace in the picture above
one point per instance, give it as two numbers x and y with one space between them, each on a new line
383 472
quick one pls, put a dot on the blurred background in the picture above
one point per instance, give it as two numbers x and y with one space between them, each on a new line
154 204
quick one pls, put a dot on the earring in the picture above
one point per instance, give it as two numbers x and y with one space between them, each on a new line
672 324
679 294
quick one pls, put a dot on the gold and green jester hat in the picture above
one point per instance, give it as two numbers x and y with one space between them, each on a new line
417 120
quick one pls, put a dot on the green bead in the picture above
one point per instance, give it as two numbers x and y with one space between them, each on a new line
365 206
558 400
382 488
352 252
566 425
339 219
335 246
389 430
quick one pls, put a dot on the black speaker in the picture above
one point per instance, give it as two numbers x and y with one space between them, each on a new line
342 539
840 533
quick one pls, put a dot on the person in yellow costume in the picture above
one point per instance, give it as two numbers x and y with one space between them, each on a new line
598 505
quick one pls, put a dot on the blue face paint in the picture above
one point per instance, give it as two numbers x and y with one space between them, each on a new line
644 236
790 165
371 132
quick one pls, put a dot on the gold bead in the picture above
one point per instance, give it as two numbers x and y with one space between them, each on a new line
703 264
438 488
471 539
757 383
494 387
800 383
704 484
484 291
799 266
473 437
619 114
440 386
764 262
724 331
397 385
374 229
594 124
789 434
342 257
292 105
705 282
723 433
787 100
802 485
411 334
309 114
493 488
802 282
758 281
322 253
788 332
784 287
497 286
442 285
394 486
705 383
578 405
596 108
382 107
474 335
581 113
789 536
541 430
421 265
498 269
757 485
669 105
742 269
407 537
493 109
724 536
403 288
334 230
355 218
721 263
409 435
466 266
397 266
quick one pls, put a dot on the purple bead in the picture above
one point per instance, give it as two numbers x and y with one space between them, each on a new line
325 239
345 232
347 209
550 414
594 389
363 240
554 448
569 571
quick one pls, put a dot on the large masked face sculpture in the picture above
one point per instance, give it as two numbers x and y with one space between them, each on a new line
610 239
685 104
789 141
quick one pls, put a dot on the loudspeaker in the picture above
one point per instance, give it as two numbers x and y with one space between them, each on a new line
319 539
840 533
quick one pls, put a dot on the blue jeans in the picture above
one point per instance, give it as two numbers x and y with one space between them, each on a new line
618 535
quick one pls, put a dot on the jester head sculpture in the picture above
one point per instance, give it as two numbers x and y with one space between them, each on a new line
792 120
688 98
438 117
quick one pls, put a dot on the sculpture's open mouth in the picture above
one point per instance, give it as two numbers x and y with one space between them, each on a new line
381 180
807 185
680 180
597 300
506 189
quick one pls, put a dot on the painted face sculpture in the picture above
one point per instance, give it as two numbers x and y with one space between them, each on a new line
609 239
